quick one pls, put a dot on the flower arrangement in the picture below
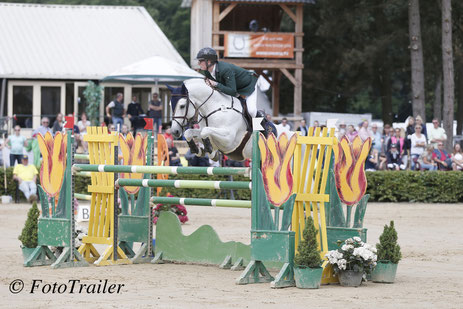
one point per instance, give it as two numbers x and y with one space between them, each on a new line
179 210
354 255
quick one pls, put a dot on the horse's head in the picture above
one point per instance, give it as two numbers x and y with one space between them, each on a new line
182 112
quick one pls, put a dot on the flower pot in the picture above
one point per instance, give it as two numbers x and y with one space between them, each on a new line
308 278
350 277
27 252
384 272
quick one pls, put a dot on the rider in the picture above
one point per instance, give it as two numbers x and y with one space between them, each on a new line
229 79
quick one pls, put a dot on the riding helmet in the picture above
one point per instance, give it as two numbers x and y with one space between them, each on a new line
207 53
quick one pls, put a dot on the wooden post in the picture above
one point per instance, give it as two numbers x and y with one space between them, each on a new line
276 92
298 71
215 23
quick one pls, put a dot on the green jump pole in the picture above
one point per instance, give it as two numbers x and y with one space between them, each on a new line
171 170
187 184
201 202
80 156
81 196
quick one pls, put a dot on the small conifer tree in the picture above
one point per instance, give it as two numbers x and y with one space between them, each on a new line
308 254
388 249
28 235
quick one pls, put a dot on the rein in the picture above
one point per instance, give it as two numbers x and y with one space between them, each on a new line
197 113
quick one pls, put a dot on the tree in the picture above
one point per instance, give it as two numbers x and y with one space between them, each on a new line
94 96
448 74
416 55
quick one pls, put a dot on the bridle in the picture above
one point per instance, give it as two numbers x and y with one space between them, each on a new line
197 114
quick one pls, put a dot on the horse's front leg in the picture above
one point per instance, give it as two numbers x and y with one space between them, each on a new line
217 136
190 136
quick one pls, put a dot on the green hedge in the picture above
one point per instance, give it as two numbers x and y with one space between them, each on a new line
383 186
415 186
11 184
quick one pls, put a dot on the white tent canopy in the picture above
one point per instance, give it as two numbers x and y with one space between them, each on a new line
152 70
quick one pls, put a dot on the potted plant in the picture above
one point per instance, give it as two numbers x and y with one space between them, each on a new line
307 262
389 256
352 261
28 235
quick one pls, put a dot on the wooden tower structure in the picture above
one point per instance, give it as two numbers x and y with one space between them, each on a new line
249 33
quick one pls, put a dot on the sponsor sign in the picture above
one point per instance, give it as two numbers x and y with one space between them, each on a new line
268 45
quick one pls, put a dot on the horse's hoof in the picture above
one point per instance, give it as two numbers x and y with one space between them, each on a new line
207 145
193 148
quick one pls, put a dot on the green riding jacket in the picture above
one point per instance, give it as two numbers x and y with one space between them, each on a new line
232 79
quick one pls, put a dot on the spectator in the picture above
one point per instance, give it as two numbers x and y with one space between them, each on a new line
376 137
441 157
418 144
232 163
58 124
382 162
457 158
271 126
124 130
285 127
174 157
155 111
398 138
111 128
303 128
26 175
425 160
363 130
386 137
351 132
341 130
394 162
116 107
316 124
409 130
16 144
168 132
134 111
83 124
436 134
419 121
371 163
44 128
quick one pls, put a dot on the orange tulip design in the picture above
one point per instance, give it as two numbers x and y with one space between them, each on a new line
133 153
163 158
349 160
53 152
276 167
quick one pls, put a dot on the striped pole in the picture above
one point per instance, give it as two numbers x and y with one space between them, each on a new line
84 174
171 170
186 184
81 156
81 196
200 202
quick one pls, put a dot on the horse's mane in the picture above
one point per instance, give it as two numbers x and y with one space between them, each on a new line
197 86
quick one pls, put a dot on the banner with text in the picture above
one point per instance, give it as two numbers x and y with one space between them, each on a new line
268 45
